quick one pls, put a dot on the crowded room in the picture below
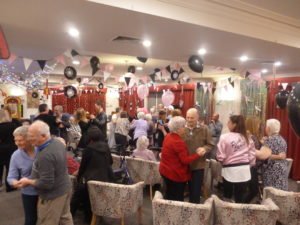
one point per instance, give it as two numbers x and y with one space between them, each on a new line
149 112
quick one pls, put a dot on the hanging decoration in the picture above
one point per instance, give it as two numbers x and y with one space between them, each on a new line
231 81
167 98
95 64
70 91
27 63
142 59
70 73
196 63
142 91
35 94
42 64
293 106
152 76
127 80
281 98
74 53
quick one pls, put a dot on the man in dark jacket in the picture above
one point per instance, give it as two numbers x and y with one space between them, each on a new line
49 119
95 165
100 120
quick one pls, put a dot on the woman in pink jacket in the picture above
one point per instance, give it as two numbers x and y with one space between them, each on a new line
236 152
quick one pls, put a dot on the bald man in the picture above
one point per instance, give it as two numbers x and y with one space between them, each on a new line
215 127
196 136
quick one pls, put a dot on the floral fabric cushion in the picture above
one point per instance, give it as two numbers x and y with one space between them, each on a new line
115 200
247 214
288 203
166 212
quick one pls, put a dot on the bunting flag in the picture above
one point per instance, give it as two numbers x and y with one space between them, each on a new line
12 58
127 80
152 76
42 63
68 54
247 74
106 75
94 70
199 85
231 82
27 63
74 53
60 59
180 71
168 68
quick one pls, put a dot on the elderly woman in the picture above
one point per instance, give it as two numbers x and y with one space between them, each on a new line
175 160
140 126
274 172
20 166
141 150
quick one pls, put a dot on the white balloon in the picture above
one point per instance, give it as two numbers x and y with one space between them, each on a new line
142 91
168 98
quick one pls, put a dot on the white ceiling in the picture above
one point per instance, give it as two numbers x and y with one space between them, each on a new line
38 30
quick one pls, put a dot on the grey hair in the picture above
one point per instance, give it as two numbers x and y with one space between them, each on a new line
21 131
42 127
142 143
176 123
274 126
141 115
148 117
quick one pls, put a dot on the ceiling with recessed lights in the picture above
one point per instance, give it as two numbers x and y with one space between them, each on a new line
39 30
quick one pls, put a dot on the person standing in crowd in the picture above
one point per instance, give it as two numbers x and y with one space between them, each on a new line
83 122
49 119
50 177
161 129
215 127
142 150
236 152
7 144
140 127
95 165
122 129
20 166
10 113
62 119
150 131
274 172
175 160
196 136
100 120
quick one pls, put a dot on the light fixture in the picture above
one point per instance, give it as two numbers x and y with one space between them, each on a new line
147 43
264 70
73 32
243 58
76 62
139 68
202 51
277 63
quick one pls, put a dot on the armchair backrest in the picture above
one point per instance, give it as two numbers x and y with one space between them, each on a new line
288 203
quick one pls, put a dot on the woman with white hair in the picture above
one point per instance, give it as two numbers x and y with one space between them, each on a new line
140 126
141 150
175 160
274 171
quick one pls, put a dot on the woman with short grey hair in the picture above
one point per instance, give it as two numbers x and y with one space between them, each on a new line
140 127
274 171
176 123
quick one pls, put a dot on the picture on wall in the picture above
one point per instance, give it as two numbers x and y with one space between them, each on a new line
32 101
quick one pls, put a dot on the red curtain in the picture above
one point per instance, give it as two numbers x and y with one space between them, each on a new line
129 101
293 141
185 92
85 100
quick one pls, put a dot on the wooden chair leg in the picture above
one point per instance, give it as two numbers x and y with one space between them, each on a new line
140 215
151 194
122 220
94 219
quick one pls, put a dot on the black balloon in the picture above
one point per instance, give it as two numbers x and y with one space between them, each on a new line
70 91
174 75
100 85
293 106
196 63
131 69
35 94
142 59
281 98
70 72
94 62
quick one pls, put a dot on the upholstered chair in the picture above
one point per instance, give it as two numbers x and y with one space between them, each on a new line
226 213
115 200
288 203
144 170
167 212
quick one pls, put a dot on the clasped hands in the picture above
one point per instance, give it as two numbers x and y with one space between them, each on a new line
23 182
201 151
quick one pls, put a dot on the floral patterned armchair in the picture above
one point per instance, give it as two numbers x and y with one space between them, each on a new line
246 214
166 212
115 200
288 203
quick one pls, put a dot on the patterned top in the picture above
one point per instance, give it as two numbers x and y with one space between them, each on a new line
274 172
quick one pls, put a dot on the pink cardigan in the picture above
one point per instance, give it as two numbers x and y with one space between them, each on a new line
233 149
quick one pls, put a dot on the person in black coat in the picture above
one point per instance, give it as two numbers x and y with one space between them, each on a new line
47 117
95 165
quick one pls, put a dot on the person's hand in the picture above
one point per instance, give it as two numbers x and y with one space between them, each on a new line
92 117
201 151
23 182
160 127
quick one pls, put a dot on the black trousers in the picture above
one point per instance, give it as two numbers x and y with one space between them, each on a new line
252 185
238 190
30 208
195 185
121 139
174 190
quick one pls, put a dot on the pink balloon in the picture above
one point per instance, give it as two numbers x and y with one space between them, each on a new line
168 98
142 91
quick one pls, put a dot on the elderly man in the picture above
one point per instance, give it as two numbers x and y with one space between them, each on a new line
215 127
196 137
50 177
100 120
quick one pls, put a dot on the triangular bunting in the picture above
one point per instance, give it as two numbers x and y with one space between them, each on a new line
180 71
42 63
106 75
94 70
168 68
74 53
12 58
27 63
127 80
152 76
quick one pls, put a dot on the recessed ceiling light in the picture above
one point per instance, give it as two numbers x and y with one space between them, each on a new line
278 63
73 32
147 43
76 62
243 58
139 68
264 70
202 51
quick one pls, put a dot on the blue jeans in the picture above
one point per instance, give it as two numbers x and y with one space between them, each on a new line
195 185
30 208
